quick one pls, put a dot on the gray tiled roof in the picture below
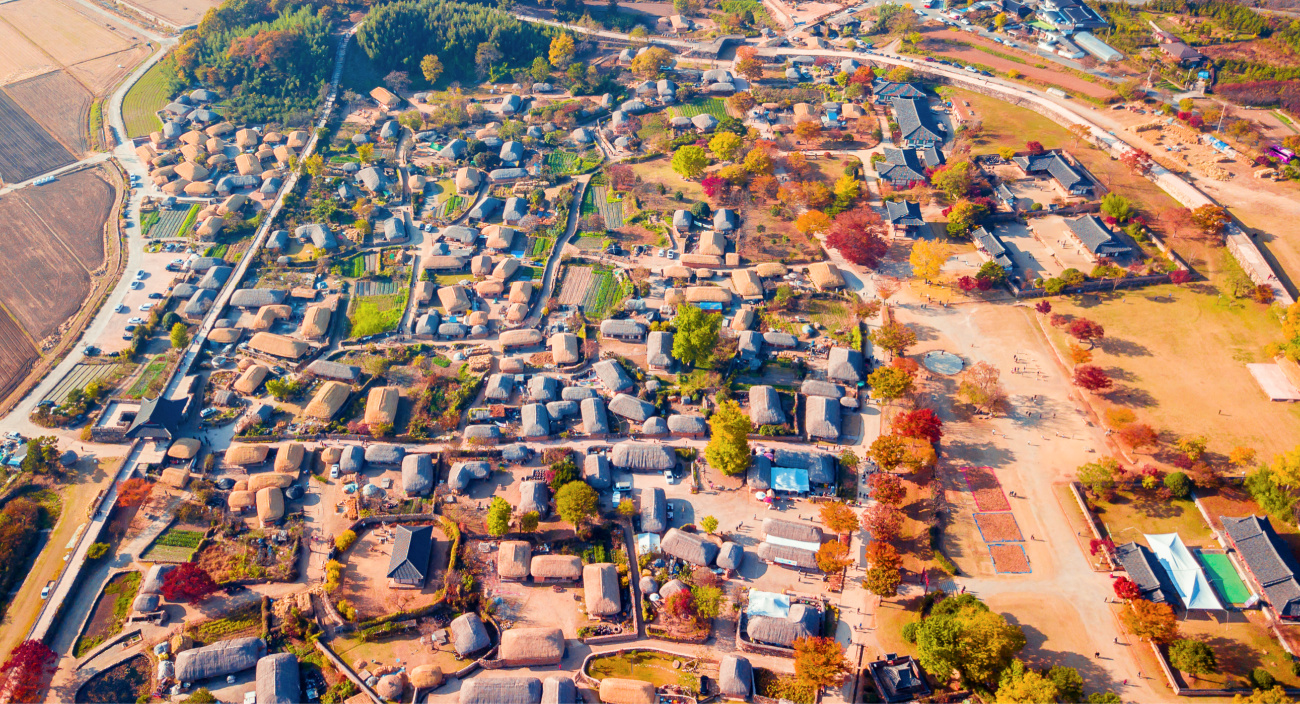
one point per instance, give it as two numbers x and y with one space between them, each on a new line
1142 568
1096 236
904 213
1269 560
915 121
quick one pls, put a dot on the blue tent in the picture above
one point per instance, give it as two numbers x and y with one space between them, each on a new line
790 479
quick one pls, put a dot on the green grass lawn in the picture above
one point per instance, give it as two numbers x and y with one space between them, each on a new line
150 380
375 314
1131 514
144 100
647 666
1239 647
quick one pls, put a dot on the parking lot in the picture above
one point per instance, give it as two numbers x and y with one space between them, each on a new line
156 279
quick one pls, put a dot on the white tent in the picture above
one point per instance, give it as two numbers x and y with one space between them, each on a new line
1184 571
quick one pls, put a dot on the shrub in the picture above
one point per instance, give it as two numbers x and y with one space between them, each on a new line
909 631
944 563
1262 679
345 540
96 551
1178 484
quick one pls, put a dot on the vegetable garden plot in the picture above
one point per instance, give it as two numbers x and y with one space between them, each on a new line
610 210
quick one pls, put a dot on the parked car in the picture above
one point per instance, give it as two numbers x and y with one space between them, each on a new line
334 471
45 593
146 306
137 285
156 296
139 275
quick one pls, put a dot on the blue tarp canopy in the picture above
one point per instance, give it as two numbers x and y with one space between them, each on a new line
768 604
790 479
1184 571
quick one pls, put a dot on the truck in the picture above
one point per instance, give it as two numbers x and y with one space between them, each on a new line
1058 93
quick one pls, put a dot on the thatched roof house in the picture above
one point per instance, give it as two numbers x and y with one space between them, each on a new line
270 505
534 421
454 299
735 677
803 621
600 587
631 407
817 387
612 376
789 530
826 276
822 418
288 457
153 579
278 345
381 405
469 635
384 453
532 647
315 321
640 456
596 471
501 690
247 455
417 475
765 406
564 348
594 420
730 556
219 659
614 690
654 510
560 690
556 568
845 365
513 559
277 679
689 425
786 555
659 350
534 496
329 400
690 547
462 473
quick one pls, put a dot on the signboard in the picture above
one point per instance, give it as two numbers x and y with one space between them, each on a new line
783 561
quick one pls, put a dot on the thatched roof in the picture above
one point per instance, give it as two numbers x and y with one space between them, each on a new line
521 338
562 409
245 455
454 299
513 558
746 283
240 500
594 420
251 378
270 505
219 659
561 567
631 407
499 387
708 294
560 690
787 555
735 676
426 676
659 349
612 376
501 690
278 345
288 458
257 482
802 532
654 510
687 424
532 645
534 421
381 404
730 556
600 586
822 418
825 276
417 474
654 426
482 432
153 579
816 387
175 476
765 406
534 496
614 690
184 448
384 453
469 634
543 389
769 270
277 679
802 622
146 603
690 547
596 472
329 400
462 473
564 348
315 321
352 459
844 365
642 456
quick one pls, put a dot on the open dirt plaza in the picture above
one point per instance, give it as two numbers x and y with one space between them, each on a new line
366 585
1034 260
1055 236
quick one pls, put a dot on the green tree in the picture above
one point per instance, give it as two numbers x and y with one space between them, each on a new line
1068 681
1116 206
626 508
1099 477
315 165
576 502
498 517
528 522
1193 657
895 337
696 339
954 179
1276 695
725 145
689 161
1178 484
890 383
180 336
1107 698
431 67
283 389
961 634
42 456
708 601
964 216
709 524
728 448
541 69
1021 685
366 152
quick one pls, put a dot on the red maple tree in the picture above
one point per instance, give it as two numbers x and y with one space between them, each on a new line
1085 330
1138 161
859 234
883 522
922 423
1034 147
887 489
681 606
1092 378
1180 276
712 185
25 670
1043 307
188 582
1126 589
1139 435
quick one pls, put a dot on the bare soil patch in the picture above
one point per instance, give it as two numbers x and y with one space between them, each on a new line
59 103
1009 558
182 13
19 58
1262 51
26 149
102 73
17 354
941 43
985 489
64 31
998 527
122 682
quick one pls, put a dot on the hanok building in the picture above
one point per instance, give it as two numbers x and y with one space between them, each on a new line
899 679
625 330
1097 237
408 566
901 168
990 245
1269 562
883 89
904 217
1181 54
1068 178
916 124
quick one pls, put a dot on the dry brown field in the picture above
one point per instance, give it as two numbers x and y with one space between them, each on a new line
182 12
56 240
16 354
1065 80
26 149
59 103
19 58
101 74
64 31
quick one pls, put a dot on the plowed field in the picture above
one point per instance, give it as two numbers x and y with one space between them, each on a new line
16 354
59 103
19 58
26 149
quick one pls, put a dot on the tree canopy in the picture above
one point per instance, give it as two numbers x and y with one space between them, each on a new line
576 502
963 635
696 338
728 448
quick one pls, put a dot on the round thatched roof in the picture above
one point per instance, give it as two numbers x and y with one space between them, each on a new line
184 448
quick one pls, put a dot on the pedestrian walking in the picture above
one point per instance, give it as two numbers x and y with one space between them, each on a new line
1096 656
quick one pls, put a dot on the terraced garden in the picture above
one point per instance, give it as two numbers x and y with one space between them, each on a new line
563 163
702 106
176 545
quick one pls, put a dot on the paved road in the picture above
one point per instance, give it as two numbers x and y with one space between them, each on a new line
548 279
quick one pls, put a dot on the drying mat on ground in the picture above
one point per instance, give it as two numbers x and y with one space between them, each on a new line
998 528
1009 558
984 488
941 362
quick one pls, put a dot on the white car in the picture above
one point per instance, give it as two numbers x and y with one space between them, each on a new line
334 471
146 306
123 309
669 476
136 321
139 275
137 285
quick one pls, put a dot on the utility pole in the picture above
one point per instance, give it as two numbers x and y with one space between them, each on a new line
1223 111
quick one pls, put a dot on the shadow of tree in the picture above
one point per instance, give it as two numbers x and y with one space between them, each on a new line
1132 396
1123 348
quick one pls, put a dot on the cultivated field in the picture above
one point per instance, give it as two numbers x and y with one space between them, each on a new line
16 354
19 58
26 149
101 74
181 13
51 227
81 375
576 282
59 103
64 31
142 102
